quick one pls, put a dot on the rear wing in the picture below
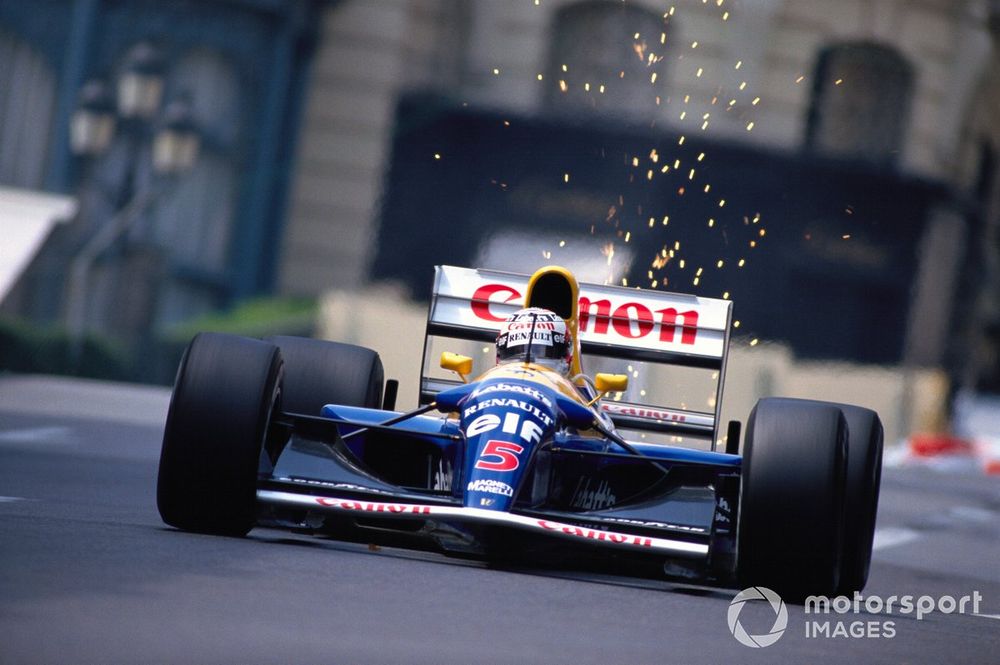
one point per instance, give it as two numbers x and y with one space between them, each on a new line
654 327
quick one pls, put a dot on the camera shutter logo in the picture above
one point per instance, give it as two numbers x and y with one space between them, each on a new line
780 617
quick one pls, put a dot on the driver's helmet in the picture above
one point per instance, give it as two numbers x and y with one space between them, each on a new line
538 336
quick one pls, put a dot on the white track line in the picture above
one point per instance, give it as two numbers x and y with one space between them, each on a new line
893 536
58 435
973 514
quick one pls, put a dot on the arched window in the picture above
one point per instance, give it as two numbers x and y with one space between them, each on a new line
606 58
27 92
861 102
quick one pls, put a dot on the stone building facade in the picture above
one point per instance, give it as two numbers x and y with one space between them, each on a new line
905 88
353 141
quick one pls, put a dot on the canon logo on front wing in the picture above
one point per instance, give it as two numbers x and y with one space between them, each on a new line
593 534
373 507
631 320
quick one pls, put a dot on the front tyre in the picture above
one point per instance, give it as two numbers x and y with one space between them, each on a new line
864 471
319 372
791 521
220 410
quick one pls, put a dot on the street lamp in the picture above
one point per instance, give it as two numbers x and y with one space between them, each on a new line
175 147
140 85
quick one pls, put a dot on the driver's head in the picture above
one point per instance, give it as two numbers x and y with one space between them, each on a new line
536 335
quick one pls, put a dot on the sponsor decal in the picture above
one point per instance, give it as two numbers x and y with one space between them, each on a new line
521 338
594 534
512 388
655 525
508 403
538 324
530 430
485 294
722 510
643 412
339 486
482 424
724 517
632 320
373 507
491 487
590 498
442 476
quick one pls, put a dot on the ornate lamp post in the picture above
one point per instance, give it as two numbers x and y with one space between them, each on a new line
175 146
177 143
140 85
93 123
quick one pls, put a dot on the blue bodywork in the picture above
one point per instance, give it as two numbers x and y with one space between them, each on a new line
506 447
515 449
501 424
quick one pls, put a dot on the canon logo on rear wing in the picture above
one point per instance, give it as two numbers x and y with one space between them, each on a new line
631 320
643 412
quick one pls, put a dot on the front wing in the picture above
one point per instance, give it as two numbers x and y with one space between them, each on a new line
596 533
322 483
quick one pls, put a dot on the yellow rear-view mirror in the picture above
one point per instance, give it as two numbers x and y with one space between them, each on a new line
610 382
461 365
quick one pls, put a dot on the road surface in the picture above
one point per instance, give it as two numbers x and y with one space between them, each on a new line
89 573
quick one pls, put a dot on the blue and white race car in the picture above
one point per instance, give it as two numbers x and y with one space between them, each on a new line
516 454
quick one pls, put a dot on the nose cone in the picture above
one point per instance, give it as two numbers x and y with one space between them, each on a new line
503 422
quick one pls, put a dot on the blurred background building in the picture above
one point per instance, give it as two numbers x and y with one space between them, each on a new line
831 167
174 126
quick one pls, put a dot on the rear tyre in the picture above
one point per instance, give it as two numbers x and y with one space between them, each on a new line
791 521
864 472
318 372
224 394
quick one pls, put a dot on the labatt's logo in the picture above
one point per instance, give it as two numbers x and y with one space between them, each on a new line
632 320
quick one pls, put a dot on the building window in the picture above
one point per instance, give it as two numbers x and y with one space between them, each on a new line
27 92
861 102
606 58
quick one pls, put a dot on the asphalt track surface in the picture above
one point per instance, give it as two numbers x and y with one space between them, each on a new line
89 574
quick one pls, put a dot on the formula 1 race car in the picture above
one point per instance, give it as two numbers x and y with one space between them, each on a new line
523 462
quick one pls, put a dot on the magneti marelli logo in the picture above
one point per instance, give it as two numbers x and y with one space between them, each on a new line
780 617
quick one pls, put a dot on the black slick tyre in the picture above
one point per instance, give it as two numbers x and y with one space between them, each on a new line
319 372
791 520
223 398
864 472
